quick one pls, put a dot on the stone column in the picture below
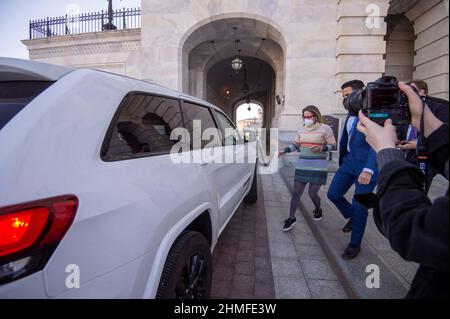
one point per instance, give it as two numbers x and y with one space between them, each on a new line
360 42
310 59
430 19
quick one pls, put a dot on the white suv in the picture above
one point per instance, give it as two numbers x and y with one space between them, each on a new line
92 204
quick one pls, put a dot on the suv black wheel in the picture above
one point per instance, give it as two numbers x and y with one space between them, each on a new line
252 196
187 272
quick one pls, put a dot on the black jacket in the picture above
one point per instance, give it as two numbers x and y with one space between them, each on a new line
416 228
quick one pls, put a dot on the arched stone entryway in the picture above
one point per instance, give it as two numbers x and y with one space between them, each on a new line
400 53
227 89
417 43
205 60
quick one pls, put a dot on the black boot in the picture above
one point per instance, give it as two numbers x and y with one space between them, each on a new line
351 252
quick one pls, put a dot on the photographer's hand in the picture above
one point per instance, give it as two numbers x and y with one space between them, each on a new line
415 104
377 136
410 145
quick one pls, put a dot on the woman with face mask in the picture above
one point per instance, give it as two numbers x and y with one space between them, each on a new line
313 141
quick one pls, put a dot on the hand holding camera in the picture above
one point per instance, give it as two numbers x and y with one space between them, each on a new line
407 145
382 100
377 136
381 104
415 103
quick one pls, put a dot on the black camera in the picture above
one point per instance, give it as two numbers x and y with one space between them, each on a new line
379 101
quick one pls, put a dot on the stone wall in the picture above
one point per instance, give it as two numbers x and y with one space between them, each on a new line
113 51
430 19
306 33
360 43
321 45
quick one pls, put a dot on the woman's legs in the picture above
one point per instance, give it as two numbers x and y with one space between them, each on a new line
314 194
299 188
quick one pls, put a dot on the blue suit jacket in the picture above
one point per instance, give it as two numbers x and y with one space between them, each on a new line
363 156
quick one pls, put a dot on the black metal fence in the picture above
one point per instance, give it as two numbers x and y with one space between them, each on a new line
90 22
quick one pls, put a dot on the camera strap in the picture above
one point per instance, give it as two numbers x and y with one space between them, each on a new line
422 151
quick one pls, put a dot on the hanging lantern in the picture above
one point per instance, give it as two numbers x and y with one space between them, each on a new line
237 64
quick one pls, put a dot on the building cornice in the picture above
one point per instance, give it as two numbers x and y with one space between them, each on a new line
87 43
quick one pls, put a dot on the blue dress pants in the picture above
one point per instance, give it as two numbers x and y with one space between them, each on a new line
345 177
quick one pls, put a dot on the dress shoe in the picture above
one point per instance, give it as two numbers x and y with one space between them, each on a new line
348 227
351 252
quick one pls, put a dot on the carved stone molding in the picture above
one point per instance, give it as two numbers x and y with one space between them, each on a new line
84 49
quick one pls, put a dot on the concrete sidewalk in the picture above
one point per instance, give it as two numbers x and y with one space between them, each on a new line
255 259
300 268
395 273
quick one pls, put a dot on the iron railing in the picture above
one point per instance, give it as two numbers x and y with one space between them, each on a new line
90 22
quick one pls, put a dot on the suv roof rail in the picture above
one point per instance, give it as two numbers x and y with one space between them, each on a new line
12 69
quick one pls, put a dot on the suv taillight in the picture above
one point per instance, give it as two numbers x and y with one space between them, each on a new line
30 232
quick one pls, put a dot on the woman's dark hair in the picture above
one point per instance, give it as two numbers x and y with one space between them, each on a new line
314 110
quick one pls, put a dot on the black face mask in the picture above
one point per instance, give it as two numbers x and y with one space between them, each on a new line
345 102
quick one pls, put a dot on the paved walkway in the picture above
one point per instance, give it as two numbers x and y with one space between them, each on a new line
300 268
396 274
255 259
242 267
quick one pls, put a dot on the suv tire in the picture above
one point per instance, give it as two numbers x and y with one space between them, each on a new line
252 196
187 273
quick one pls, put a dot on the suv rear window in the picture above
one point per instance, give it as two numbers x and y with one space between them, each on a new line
16 95
142 127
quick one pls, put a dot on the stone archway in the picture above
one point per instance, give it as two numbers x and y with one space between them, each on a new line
400 51
224 87
211 43
418 31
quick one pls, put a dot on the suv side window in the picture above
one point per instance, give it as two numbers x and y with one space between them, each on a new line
193 112
229 131
142 127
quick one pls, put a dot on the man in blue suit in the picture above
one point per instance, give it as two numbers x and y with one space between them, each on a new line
357 165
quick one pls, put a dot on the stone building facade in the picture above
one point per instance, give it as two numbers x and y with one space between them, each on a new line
296 52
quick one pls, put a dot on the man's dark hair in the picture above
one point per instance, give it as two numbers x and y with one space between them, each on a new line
354 84
421 85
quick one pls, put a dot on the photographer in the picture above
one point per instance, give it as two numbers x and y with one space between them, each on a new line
416 228
440 109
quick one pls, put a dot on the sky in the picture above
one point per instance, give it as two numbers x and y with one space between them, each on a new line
15 16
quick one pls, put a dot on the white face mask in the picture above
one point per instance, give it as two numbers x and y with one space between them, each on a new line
309 122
